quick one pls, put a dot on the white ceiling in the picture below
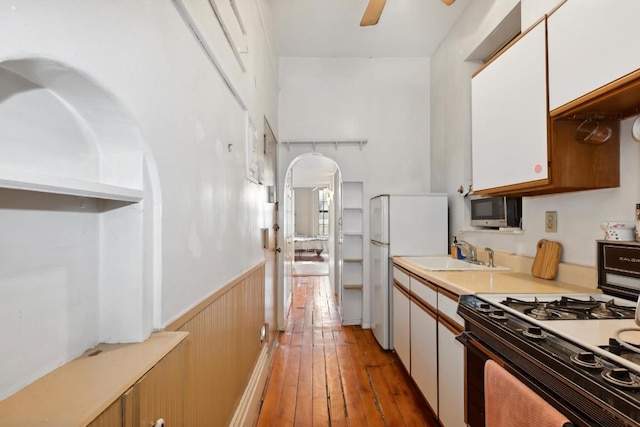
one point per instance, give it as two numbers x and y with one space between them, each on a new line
331 28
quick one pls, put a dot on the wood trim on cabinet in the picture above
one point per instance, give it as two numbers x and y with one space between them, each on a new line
449 294
403 269
425 282
520 188
450 324
556 7
432 311
424 306
620 99
406 292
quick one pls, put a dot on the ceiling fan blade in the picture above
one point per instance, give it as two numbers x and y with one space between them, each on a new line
448 2
372 13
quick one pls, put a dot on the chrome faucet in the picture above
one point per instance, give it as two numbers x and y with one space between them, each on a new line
490 252
470 249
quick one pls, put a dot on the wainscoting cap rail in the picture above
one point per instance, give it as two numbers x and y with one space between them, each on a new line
335 142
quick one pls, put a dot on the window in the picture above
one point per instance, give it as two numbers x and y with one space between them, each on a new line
323 212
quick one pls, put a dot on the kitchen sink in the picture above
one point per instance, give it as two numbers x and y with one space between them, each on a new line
446 263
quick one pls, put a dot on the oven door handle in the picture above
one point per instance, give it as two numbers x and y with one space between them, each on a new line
466 338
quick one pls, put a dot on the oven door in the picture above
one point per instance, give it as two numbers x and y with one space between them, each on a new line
477 354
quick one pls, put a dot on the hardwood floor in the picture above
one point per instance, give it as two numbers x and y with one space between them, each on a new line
324 374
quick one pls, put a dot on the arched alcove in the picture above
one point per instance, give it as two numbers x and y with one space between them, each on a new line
62 128
309 170
73 172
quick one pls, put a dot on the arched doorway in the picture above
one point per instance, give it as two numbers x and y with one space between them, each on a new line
314 175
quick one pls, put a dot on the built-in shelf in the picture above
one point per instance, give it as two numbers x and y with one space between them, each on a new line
30 181
352 253
494 230
316 142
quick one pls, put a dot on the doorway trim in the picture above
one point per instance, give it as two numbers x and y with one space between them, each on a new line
287 233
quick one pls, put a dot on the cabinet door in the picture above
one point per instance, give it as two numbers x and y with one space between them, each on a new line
424 353
510 115
401 327
160 393
591 43
111 417
450 378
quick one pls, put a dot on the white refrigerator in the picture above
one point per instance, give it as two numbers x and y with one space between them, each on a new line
413 225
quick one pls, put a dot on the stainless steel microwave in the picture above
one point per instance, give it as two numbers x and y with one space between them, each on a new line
496 212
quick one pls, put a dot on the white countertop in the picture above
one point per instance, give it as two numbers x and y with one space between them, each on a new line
472 282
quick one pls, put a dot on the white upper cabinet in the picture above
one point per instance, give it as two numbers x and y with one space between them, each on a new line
510 115
591 43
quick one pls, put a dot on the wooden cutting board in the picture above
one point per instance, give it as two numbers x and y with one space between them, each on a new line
545 264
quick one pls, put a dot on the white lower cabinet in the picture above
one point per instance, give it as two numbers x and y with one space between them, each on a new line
424 353
451 362
402 327
425 326
450 378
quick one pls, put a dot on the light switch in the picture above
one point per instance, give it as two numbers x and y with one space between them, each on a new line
551 222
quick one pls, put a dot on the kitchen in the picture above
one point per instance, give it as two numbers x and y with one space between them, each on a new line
421 132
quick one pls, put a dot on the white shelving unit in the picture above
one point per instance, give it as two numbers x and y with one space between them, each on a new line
352 252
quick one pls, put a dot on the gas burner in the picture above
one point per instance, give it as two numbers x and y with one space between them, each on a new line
605 313
610 310
539 312
547 312
569 308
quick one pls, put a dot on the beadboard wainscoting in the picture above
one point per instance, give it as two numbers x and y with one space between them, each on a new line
224 347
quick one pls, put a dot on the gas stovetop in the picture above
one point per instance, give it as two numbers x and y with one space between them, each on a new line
571 308
576 363
577 351
591 321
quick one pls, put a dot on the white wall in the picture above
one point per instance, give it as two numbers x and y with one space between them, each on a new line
304 211
579 214
383 100
48 284
209 215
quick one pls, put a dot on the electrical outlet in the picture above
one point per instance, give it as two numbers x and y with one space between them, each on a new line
551 222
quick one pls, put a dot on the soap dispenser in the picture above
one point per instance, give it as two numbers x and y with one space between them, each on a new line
454 248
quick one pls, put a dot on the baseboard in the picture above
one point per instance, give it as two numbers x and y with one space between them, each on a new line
246 413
